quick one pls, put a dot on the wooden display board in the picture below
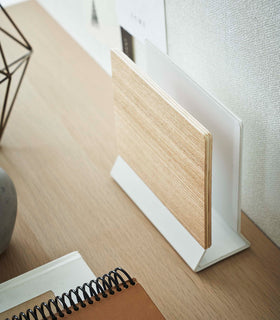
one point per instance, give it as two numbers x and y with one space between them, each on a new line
165 162
165 146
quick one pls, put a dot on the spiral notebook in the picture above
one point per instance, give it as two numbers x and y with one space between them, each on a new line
115 295
57 276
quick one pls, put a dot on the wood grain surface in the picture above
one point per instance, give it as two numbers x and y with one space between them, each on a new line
166 147
59 148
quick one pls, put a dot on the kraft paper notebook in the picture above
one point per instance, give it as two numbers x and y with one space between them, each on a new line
27 304
114 296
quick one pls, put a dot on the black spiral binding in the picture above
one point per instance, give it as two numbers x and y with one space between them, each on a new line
81 294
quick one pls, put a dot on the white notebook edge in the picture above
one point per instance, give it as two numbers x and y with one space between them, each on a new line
59 275
37 272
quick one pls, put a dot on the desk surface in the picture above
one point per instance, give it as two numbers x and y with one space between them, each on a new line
59 148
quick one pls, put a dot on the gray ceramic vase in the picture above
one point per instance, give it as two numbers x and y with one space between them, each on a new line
8 209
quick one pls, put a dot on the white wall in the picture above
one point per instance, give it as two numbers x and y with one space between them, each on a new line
6 3
231 48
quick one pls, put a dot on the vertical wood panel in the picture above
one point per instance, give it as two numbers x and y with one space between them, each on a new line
169 149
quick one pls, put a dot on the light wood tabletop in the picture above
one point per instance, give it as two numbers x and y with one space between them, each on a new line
59 147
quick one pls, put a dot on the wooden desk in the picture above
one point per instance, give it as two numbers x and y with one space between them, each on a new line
59 148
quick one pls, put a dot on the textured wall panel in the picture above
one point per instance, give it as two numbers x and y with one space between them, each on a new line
231 48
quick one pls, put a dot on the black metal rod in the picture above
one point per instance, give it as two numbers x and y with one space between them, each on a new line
17 67
15 26
3 80
14 38
3 72
14 98
24 57
4 59
8 104
5 103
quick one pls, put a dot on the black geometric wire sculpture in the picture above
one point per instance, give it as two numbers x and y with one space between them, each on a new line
9 68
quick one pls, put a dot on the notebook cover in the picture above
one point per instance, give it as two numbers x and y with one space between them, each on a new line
127 304
27 305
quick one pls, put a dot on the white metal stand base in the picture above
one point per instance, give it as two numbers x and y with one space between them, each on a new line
225 241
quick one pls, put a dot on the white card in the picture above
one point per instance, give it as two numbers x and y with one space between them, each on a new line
224 126
59 276
144 19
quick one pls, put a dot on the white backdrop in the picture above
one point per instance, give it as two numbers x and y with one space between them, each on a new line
231 48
